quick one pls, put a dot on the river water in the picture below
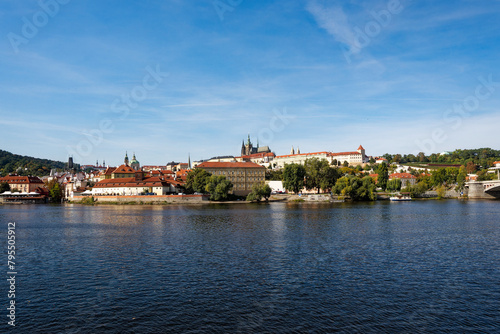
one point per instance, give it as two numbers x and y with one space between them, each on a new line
407 267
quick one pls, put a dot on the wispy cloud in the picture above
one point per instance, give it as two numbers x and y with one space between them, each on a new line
334 20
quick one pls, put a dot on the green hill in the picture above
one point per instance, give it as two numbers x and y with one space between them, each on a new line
24 165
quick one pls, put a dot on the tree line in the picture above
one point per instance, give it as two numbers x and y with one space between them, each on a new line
25 166
318 175
219 188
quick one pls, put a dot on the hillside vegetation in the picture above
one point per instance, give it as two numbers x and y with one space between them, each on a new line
24 165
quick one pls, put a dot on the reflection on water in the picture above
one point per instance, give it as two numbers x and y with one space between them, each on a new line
411 267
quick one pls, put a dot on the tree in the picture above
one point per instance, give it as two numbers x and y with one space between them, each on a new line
319 175
293 177
441 192
461 177
274 175
394 185
329 177
451 175
55 191
383 175
196 181
4 186
367 190
218 187
438 177
470 167
485 176
259 191
422 157
356 188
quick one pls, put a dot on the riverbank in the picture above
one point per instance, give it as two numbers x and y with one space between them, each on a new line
204 199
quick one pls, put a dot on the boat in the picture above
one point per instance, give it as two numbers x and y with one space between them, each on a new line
400 198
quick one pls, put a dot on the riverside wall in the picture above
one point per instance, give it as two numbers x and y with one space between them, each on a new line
147 199
476 190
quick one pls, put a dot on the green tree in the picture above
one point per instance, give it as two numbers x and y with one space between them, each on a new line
461 177
293 177
366 191
259 191
4 186
196 181
451 175
319 175
356 188
218 187
274 175
383 176
438 177
485 176
55 191
441 192
394 185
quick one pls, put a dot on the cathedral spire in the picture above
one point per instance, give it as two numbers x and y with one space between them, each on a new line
126 158
292 151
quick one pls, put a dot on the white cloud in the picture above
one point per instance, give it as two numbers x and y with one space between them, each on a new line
335 22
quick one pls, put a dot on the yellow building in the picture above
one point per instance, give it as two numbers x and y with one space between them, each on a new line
22 183
243 175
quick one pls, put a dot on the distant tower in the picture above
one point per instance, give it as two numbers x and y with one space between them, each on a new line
242 147
292 151
249 146
135 164
70 162
298 150
362 151
126 159
97 163
104 163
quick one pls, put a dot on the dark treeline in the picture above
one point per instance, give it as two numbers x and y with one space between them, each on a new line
483 157
24 165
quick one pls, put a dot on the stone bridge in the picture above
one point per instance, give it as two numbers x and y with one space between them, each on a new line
484 189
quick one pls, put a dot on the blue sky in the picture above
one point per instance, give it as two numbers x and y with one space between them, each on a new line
166 78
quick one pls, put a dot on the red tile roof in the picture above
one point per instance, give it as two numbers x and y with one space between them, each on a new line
344 153
124 169
131 182
402 176
109 170
360 147
296 155
21 179
229 165
257 155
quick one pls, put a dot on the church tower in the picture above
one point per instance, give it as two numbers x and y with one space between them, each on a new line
126 159
135 164
292 151
361 150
